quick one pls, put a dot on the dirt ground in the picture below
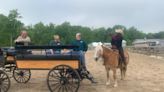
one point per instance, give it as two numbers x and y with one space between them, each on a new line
145 74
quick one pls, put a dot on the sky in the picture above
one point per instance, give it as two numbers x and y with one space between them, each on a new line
145 15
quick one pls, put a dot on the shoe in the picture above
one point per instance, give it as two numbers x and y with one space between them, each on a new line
93 81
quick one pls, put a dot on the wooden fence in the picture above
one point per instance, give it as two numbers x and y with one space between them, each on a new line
151 50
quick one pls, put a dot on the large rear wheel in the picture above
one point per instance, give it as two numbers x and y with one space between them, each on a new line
4 82
63 78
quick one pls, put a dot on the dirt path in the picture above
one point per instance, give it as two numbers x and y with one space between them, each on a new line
145 74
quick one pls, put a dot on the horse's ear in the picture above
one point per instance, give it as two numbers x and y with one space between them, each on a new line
100 43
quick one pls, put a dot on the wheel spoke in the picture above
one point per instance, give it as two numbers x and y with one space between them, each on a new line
63 79
65 88
58 85
22 76
69 88
5 82
59 89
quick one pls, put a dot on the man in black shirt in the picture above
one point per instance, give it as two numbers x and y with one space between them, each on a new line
117 43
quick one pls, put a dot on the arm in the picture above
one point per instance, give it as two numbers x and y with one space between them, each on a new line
27 39
85 47
119 42
20 39
73 43
51 43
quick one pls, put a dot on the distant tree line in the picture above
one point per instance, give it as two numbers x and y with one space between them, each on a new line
40 33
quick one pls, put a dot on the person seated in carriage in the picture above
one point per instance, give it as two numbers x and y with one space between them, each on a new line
83 47
77 42
56 42
116 43
23 38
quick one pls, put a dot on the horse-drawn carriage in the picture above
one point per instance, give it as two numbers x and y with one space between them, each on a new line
65 73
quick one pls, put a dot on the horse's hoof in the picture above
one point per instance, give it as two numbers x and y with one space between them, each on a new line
115 85
107 83
123 79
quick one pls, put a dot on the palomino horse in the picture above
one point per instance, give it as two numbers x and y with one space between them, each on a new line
111 62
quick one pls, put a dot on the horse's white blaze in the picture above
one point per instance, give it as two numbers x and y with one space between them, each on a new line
98 51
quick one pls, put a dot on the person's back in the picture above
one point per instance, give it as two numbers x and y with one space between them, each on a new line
117 40
116 43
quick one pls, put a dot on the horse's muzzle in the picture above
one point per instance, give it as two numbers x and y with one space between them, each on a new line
96 58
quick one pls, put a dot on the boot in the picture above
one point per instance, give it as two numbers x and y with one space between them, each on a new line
90 77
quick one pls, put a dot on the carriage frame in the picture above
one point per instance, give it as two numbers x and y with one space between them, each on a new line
64 74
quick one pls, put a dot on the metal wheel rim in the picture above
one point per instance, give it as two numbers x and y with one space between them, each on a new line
67 81
4 82
22 76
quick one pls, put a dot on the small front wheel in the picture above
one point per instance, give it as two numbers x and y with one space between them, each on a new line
22 76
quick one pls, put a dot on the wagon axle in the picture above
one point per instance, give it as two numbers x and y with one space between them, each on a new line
64 81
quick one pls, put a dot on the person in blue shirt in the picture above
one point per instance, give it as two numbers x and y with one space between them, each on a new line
82 48
56 42
81 43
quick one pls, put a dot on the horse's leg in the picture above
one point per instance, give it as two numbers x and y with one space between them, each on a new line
115 77
125 69
122 72
108 76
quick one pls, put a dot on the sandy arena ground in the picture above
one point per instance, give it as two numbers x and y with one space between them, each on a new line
145 74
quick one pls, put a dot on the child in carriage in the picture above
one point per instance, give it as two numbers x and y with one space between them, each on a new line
56 42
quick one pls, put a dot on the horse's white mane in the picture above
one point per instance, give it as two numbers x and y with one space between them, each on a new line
99 47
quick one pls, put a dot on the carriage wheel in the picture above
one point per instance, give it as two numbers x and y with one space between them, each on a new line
2 60
22 76
63 78
4 82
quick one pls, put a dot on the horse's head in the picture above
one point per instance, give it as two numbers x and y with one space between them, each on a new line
98 52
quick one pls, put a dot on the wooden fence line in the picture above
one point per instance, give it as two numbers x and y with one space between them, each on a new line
151 50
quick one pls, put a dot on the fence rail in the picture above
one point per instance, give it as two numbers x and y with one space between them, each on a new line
150 50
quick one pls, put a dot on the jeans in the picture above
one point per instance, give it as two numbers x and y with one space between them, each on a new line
81 57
